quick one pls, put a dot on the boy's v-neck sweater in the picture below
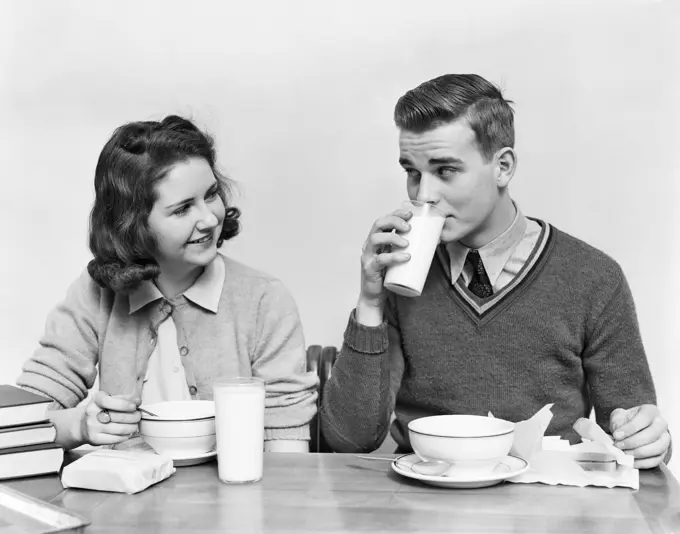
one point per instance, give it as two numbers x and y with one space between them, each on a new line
564 331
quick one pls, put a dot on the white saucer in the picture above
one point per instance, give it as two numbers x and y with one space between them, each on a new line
508 467
185 461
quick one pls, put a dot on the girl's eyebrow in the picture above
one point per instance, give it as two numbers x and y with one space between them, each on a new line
213 187
177 204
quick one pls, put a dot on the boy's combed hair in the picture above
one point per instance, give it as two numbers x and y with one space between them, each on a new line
452 96
133 161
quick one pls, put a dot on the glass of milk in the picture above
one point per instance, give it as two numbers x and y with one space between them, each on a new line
239 423
408 278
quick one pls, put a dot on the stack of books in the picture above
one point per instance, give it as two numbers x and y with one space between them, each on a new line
27 445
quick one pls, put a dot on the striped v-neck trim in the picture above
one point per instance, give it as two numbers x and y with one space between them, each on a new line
481 308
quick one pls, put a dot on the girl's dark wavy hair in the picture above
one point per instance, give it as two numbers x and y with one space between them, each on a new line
133 161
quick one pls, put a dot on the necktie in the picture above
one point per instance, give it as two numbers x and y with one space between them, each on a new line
480 284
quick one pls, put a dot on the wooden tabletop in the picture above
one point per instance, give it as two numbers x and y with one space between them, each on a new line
341 493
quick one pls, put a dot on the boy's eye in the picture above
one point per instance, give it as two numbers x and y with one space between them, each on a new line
413 174
447 171
212 194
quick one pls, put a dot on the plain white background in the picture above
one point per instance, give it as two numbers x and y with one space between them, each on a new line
299 96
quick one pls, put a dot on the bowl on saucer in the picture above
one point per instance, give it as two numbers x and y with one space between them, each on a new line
472 444
179 429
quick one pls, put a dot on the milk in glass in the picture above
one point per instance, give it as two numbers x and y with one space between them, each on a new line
408 278
239 422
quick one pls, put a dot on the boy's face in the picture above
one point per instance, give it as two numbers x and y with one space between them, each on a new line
444 166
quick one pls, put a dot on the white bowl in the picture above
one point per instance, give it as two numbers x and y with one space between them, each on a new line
180 410
178 419
181 447
467 441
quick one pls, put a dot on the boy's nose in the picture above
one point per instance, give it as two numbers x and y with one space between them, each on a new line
428 190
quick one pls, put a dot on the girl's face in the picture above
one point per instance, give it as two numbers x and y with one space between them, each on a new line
187 216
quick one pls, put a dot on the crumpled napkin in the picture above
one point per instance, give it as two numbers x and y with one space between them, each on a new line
553 461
